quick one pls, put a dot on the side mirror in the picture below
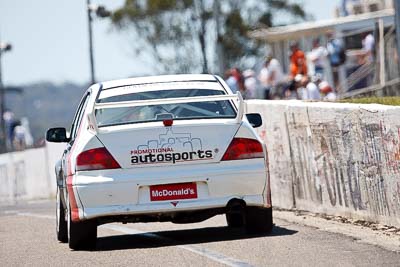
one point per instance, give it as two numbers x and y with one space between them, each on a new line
57 135
254 119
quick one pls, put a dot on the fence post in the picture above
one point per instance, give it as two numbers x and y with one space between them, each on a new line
397 21
382 61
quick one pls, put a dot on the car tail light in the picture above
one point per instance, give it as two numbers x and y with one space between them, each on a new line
168 123
96 159
243 148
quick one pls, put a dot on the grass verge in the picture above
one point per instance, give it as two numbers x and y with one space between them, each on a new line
393 101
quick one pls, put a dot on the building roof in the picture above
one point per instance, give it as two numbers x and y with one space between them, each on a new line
297 31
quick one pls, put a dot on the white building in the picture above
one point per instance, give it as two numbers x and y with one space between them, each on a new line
356 7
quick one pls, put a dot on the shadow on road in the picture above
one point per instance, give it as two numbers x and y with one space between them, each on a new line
181 237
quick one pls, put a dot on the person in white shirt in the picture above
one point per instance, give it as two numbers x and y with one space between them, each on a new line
19 137
264 79
250 83
310 90
368 44
271 77
318 56
368 48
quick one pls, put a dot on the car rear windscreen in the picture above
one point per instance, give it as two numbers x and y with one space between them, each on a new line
159 112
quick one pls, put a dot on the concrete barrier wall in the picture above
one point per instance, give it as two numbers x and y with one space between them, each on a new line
338 159
28 174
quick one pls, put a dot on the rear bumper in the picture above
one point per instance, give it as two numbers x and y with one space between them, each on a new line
127 192
168 207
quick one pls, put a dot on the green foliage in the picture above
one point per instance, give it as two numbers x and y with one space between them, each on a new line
183 35
159 26
393 101
266 19
161 5
298 11
235 34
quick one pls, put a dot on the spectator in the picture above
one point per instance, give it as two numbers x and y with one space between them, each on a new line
231 78
19 137
263 77
336 51
250 82
368 44
28 135
368 56
327 91
292 91
309 90
337 56
298 64
9 120
237 74
301 85
272 78
318 56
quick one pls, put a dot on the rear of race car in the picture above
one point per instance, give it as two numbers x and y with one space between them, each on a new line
179 159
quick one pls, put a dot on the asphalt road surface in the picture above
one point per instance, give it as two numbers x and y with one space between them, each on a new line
27 237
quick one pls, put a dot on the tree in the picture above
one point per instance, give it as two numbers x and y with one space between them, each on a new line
199 35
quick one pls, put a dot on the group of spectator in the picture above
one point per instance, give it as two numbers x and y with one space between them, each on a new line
272 83
307 77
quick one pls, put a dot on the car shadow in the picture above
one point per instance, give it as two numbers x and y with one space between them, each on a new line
181 237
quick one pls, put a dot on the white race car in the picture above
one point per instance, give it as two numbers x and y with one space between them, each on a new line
168 148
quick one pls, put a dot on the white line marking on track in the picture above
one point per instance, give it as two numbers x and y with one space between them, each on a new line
215 256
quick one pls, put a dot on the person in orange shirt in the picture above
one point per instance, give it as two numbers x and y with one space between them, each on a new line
298 64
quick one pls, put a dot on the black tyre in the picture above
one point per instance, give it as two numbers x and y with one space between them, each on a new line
234 220
259 220
61 222
82 235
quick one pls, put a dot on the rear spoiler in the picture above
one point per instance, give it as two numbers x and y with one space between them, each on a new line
123 104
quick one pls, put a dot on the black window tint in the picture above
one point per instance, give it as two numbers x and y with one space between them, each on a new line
178 111
78 116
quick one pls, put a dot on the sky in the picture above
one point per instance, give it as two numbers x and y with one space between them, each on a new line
50 41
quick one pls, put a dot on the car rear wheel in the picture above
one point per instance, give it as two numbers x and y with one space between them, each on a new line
61 222
259 220
82 235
